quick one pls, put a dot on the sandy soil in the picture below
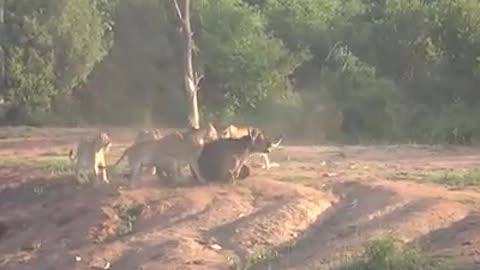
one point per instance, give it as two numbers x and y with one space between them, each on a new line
319 206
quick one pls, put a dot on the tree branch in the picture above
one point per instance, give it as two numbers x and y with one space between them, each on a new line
177 8
198 79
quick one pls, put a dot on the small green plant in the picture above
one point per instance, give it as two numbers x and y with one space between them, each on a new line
388 253
129 215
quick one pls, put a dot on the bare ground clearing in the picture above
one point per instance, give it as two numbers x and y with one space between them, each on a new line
319 206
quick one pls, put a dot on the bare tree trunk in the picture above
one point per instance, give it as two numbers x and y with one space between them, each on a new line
191 80
3 60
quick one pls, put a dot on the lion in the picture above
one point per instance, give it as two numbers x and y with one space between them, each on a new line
225 158
144 135
233 131
168 154
90 157
147 135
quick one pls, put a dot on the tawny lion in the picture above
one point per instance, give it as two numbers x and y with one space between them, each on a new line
233 131
90 157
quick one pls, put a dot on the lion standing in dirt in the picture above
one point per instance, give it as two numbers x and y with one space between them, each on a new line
145 135
90 157
236 132
168 154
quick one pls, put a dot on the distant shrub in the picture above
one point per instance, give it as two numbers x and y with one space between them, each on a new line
390 254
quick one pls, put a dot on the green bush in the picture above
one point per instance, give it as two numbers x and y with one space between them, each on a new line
51 48
390 254
328 70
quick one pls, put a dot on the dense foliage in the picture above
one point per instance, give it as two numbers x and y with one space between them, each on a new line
51 46
352 70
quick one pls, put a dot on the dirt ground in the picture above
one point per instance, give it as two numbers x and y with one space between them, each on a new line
316 209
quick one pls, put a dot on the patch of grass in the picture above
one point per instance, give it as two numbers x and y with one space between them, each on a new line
384 253
17 132
51 165
456 178
54 153
448 177
387 253
128 215
57 166
404 175
11 162
297 179
258 260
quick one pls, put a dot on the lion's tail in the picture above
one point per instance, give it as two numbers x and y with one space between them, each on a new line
117 162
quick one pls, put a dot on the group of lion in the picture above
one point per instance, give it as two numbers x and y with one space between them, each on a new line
211 155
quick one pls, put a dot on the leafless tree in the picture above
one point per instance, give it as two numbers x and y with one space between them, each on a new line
2 51
191 78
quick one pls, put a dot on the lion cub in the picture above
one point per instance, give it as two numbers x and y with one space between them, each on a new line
90 157
236 132
168 154
224 159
